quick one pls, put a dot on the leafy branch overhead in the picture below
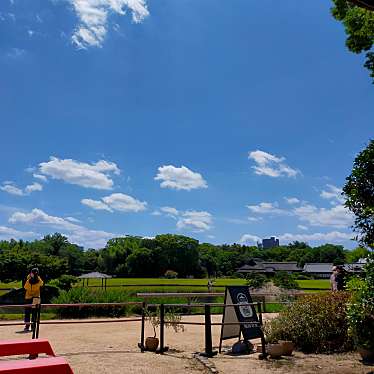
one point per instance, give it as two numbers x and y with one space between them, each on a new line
359 27
359 191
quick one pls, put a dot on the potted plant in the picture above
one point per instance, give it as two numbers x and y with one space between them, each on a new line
288 347
171 320
360 312
275 350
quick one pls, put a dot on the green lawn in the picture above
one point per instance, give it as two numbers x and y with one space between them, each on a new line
162 281
315 283
138 285
181 285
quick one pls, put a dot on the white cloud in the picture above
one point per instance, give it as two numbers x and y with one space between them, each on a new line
249 239
267 208
93 18
156 213
237 221
74 220
43 178
7 233
196 221
96 204
170 211
180 178
37 216
333 193
254 219
270 165
76 233
16 53
12 189
292 200
124 203
116 201
33 187
96 175
338 216
333 236
302 227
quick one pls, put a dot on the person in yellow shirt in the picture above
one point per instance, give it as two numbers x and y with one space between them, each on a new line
32 286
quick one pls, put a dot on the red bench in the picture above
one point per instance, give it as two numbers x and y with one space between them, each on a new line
21 347
55 365
52 364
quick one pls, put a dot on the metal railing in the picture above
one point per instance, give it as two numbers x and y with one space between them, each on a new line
36 321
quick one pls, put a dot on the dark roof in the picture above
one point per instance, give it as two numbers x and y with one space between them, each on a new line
285 266
269 267
94 275
318 267
355 267
327 267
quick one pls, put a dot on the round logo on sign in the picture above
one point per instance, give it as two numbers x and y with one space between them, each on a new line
246 311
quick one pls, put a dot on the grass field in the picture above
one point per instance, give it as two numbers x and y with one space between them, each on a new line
135 285
138 285
144 284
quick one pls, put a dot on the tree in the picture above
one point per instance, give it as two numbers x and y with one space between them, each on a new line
181 253
359 26
359 193
331 253
356 254
208 258
140 263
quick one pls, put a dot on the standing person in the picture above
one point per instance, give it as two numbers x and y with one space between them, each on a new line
339 278
32 286
333 283
210 285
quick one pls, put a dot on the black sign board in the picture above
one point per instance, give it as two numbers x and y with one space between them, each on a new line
250 326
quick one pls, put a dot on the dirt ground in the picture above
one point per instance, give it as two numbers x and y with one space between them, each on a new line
112 348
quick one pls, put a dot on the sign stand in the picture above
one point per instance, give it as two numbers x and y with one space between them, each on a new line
240 320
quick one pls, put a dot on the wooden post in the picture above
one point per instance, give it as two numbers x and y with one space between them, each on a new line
38 321
259 313
162 327
141 344
162 348
208 333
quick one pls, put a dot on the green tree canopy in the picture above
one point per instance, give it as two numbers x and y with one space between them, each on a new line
359 191
359 27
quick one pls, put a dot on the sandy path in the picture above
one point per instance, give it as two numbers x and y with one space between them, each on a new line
112 348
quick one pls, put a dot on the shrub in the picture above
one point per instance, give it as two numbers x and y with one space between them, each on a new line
284 280
361 308
171 274
315 323
78 295
65 282
303 277
255 280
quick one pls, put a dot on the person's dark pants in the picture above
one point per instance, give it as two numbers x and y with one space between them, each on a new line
28 312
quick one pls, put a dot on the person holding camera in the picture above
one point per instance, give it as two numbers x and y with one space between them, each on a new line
32 286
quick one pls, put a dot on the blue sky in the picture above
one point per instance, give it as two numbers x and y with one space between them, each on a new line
225 121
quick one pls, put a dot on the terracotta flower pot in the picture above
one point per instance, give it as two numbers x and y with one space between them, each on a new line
366 354
288 347
151 343
275 350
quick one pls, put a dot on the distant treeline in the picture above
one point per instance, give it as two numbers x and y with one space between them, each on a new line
140 257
